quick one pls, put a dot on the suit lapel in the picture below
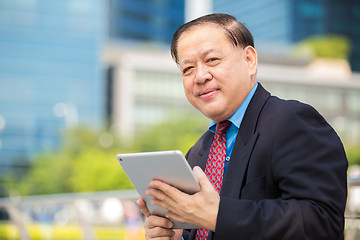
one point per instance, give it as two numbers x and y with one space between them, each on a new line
236 172
244 144
201 152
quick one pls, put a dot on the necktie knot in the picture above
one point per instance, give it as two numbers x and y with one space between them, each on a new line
221 127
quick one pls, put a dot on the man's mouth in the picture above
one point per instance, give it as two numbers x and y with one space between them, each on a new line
208 92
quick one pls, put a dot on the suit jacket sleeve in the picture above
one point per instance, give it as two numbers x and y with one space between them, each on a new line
294 185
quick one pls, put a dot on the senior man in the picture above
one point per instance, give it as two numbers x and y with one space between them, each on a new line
268 168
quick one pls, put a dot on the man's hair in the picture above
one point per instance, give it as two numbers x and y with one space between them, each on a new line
238 34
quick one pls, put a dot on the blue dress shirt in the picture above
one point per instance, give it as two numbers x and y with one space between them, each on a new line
235 120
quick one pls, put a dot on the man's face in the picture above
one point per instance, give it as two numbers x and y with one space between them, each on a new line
217 76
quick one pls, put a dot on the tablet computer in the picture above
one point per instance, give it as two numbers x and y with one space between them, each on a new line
167 166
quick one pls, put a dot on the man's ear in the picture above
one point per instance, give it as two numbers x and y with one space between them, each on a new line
251 59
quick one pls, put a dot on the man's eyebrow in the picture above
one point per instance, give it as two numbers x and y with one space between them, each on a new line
186 61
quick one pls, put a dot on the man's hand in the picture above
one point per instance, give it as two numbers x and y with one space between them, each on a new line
200 209
158 227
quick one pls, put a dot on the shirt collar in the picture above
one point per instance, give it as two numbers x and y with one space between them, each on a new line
238 116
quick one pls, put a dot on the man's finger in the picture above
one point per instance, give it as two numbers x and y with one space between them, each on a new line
161 190
158 228
161 199
158 222
202 178
143 207
178 234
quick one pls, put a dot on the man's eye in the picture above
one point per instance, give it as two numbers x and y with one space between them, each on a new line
212 59
186 69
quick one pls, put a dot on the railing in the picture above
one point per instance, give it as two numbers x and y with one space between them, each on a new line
90 211
352 217
86 210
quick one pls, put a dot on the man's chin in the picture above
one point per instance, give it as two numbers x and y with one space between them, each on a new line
215 116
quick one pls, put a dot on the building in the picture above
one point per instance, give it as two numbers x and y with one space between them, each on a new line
145 21
147 89
58 69
145 86
51 75
278 24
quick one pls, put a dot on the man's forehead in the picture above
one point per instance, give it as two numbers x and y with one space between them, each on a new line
203 54
202 26
201 42
203 33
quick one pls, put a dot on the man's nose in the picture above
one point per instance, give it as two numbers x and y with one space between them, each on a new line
202 74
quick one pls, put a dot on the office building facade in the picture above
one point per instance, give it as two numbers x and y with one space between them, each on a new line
278 24
51 75
145 21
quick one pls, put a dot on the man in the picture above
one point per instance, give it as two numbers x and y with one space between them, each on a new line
284 175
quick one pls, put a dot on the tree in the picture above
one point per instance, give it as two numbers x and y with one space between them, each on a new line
179 134
88 163
353 155
97 170
326 46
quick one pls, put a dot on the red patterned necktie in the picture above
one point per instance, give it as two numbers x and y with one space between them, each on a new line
215 165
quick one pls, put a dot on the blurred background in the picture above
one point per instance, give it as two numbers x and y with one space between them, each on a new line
84 80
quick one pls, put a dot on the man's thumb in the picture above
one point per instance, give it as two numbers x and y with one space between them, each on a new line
201 177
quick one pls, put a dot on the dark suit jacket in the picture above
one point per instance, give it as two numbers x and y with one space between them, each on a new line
286 178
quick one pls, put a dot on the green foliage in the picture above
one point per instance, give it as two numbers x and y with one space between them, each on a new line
327 46
178 134
49 174
87 160
353 155
97 170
